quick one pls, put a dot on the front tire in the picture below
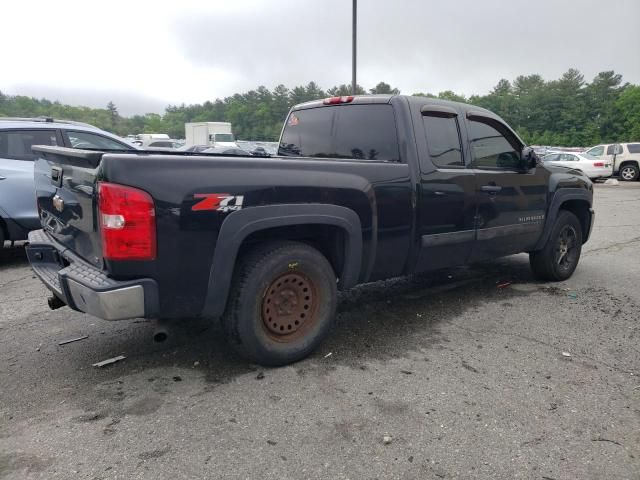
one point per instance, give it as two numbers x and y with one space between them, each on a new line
629 173
559 258
282 303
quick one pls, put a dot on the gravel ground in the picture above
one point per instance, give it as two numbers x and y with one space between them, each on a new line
468 380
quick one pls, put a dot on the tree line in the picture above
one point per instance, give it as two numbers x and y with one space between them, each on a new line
566 111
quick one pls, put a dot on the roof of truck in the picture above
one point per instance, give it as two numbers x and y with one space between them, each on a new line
386 98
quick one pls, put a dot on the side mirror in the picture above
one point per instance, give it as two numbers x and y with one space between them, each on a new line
528 158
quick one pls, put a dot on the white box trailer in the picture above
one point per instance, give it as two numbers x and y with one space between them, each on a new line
216 134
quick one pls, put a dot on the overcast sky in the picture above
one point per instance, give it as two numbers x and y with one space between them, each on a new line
144 55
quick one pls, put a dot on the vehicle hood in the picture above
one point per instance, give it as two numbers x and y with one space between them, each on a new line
560 176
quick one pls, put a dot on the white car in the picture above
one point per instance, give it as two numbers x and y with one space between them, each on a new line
591 166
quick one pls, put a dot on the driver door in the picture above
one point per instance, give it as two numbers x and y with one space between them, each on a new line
511 201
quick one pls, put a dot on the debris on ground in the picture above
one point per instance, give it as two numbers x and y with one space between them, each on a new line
71 340
328 355
504 285
109 361
177 378
406 372
271 442
387 439
260 376
572 295
566 354
196 363
611 181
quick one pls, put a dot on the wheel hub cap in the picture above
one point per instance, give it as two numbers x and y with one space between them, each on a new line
288 304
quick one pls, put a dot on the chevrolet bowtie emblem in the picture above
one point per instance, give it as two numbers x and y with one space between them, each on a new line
58 203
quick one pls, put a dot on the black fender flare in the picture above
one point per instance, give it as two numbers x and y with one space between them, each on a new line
561 196
240 224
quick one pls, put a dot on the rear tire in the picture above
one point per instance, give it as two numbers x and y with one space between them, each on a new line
559 258
282 303
629 172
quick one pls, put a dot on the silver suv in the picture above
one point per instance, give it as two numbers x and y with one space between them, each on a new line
18 212
624 156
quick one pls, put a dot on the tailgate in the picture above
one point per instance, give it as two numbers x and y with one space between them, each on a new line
65 182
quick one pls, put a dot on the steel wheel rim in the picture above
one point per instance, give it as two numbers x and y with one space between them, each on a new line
566 247
289 307
628 173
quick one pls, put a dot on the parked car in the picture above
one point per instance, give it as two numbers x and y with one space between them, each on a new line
155 144
592 167
363 189
625 158
193 148
18 213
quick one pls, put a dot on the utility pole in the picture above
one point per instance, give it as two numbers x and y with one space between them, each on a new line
353 47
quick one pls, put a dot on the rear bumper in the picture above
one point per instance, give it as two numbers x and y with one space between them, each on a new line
85 288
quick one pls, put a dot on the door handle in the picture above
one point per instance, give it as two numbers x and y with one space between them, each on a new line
2 178
491 189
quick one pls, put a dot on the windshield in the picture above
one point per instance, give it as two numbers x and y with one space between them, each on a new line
224 137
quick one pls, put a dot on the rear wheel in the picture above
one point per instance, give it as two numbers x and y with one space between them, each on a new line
282 303
559 257
629 172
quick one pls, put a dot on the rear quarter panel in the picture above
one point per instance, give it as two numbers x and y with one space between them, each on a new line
379 192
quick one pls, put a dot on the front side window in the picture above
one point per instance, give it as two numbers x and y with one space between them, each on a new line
597 151
490 148
93 141
443 140
16 144
363 132
567 157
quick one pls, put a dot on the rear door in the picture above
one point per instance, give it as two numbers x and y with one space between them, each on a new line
446 201
17 192
511 202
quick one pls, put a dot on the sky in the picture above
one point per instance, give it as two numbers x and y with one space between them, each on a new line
144 55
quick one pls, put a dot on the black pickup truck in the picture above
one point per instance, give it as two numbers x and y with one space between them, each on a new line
362 189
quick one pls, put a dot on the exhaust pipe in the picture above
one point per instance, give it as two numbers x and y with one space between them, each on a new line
55 303
160 334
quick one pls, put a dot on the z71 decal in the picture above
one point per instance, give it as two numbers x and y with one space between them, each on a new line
219 202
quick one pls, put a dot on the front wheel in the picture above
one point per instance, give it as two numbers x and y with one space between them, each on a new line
628 173
282 303
559 258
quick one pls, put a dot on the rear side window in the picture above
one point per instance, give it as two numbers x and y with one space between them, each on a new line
16 144
443 140
91 140
490 148
611 149
633 147
364 132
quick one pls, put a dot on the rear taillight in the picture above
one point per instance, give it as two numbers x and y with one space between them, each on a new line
598 164
336 100
127 223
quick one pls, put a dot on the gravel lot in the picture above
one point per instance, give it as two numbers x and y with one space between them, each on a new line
468 379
